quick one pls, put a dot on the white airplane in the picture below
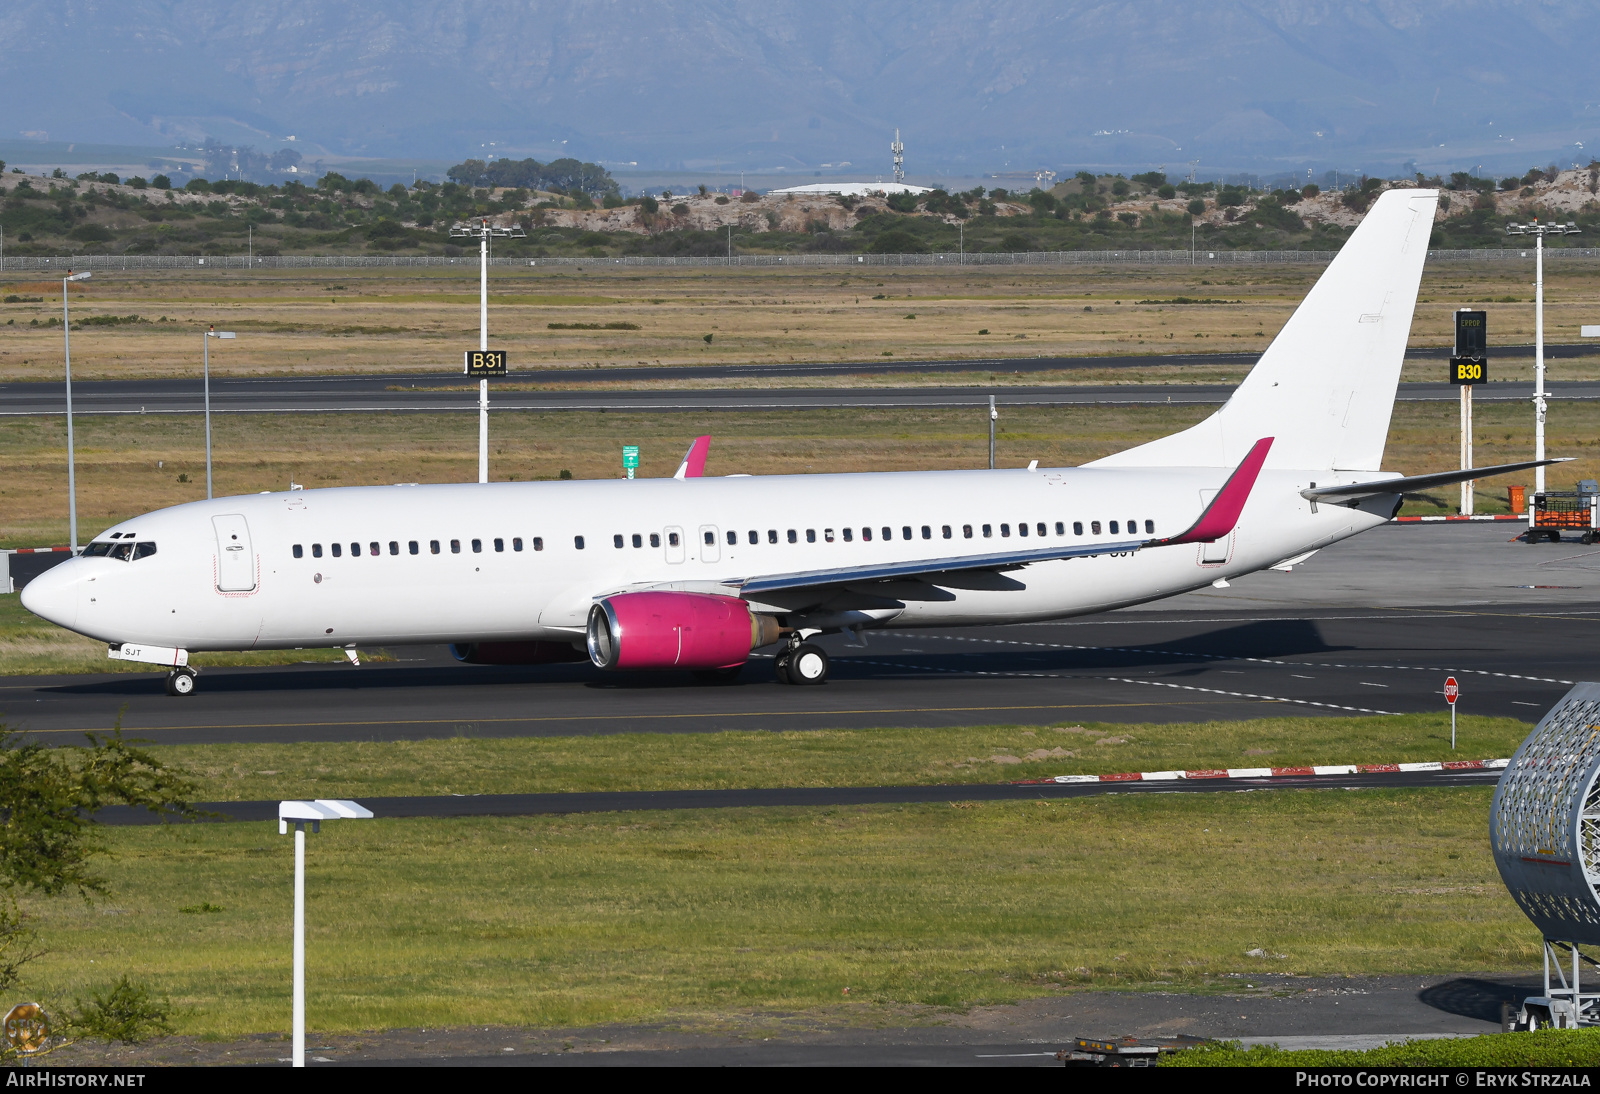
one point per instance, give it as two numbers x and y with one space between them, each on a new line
695 573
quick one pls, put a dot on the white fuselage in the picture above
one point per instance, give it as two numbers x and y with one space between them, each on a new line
225 574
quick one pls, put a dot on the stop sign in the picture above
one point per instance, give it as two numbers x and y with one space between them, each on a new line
1452 690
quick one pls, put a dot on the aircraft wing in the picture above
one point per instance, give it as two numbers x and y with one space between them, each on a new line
694 460
1215 522
1411 483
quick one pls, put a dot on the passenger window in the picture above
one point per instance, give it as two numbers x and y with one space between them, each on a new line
849 534
1005 531
299 551
1113 528
1077 527
477 546
655 539
499 545
538 543
811 535
616 541
905 531
1094 527
143 550
966 531
355 550
516 543
316 550
1061 529
888 533
772 535
414 547
433 546
827 535
1150 527
755 537
1022 529
337 550
394 546
455 546
577 542
638 540
988 531
946 531
927 532
866 535
733 538
672 539
792 537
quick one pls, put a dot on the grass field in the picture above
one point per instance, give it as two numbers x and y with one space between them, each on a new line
649 916
419 320
129 465
840 757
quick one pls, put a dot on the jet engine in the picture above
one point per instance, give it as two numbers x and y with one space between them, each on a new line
671 630
514 653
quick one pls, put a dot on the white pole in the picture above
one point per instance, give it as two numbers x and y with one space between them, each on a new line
1452 727
205 337
993 414
1539 405
483 343
298 1052
1466 448
72 468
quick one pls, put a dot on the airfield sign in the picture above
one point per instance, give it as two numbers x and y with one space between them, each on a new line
630 458
1452 692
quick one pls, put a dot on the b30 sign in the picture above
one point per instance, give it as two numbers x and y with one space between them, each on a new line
484 362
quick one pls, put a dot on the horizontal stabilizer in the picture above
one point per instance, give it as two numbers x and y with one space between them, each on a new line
1412 483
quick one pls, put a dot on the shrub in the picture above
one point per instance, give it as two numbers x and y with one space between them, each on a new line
897 242
1015 243
680 210
1510 184
1357 200
1197 207
1119 188
611 201
750 197
649 204
1166 190
1310 190
197 186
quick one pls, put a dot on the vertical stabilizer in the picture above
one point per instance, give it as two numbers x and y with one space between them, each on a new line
1325 386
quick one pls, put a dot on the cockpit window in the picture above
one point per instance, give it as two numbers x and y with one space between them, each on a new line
121 550
94 550
143 550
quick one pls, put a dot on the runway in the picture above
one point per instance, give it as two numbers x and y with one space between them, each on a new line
451 392
1370 626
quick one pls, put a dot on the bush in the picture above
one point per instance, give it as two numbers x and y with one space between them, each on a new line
611 201
1357 200
1153 179
680 210
750 197
1042 201
897 242
1166 190
1015 243
1119 188
197 186
1197 207
1510 184
1310 190
649 204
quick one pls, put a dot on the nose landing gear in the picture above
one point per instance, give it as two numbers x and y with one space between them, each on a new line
181 681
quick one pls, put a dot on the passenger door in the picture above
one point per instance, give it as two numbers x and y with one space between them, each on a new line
1216 552
674 547
236 561
710 549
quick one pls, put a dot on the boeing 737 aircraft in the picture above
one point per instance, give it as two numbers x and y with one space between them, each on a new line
695 573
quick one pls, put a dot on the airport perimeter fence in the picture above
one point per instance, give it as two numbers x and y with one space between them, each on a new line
940 259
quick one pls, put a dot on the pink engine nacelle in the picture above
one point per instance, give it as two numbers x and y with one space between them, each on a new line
666 630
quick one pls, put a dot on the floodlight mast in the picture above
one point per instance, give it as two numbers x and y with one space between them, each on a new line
1539 231
483 231
72 469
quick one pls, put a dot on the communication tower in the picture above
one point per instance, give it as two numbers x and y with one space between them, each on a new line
899 151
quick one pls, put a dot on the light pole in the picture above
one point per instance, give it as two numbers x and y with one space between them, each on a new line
72 468
993 414
301 814
210 334
1539 231
484 231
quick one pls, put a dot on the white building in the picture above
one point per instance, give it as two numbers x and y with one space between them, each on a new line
852 189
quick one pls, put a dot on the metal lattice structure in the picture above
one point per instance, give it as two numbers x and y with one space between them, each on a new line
1544 830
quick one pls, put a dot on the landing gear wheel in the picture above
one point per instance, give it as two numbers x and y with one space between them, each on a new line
808 664
717 676
181 681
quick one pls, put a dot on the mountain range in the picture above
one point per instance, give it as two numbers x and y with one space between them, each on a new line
973 87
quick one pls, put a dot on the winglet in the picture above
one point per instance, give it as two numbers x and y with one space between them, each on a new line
694 460
1223 512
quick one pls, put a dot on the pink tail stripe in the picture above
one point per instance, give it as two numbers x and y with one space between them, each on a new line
694 460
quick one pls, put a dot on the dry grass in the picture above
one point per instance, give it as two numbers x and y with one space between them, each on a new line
419 320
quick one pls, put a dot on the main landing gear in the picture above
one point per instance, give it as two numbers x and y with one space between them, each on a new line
181 681
803 663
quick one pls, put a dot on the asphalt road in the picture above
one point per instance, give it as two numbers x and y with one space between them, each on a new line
1372 625
413 392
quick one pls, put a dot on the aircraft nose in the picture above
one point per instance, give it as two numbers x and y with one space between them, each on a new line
53 595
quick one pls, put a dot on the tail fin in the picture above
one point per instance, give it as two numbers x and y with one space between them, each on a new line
1325 386
694 460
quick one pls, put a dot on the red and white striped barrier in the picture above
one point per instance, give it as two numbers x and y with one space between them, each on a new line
39 550
1458 517
1272 772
